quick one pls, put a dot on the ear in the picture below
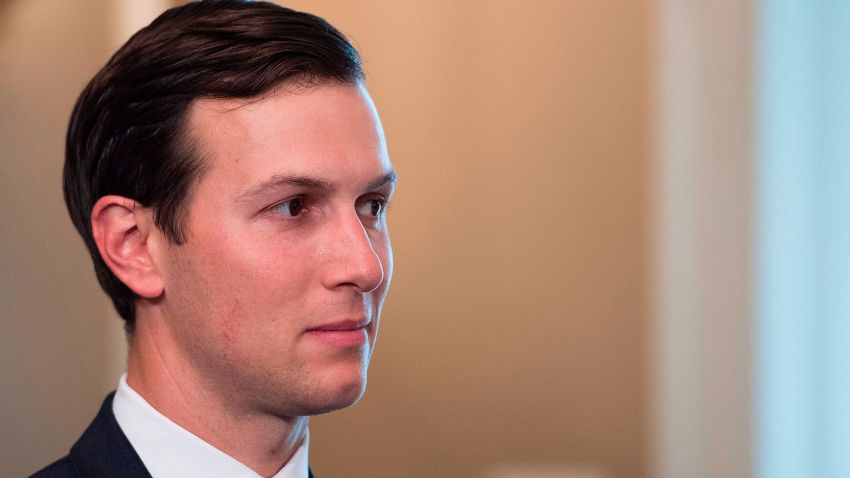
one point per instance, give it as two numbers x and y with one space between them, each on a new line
123 231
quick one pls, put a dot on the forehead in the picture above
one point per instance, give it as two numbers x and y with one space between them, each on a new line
318 131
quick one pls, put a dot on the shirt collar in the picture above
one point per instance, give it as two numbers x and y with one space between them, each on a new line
170 451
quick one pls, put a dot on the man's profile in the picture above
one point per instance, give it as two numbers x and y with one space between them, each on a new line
228 173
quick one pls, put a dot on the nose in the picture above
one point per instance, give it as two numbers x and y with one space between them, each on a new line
352 259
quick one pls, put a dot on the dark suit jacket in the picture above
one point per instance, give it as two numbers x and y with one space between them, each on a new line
102 452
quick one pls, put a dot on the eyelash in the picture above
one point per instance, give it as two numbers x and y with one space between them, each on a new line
301 202
273 208
383 204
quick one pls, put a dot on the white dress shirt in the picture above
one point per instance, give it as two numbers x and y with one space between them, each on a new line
170 451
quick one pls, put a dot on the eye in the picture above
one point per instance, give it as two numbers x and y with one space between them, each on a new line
372 207
289 208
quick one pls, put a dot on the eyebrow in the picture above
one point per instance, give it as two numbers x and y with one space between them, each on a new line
390 177
278 180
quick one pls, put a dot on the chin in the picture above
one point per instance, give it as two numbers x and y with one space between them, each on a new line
343 392
338 403
340 391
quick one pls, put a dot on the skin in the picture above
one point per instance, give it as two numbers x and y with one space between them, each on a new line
286 234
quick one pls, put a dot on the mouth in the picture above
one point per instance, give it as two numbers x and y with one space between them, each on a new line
343 333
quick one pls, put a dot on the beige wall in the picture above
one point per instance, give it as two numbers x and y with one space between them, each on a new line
54 328
516 327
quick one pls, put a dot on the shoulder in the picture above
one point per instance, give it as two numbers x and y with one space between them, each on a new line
59 469
102 451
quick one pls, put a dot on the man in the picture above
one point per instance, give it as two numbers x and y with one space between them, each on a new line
229 175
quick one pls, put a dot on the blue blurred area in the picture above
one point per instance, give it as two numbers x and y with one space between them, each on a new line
803 239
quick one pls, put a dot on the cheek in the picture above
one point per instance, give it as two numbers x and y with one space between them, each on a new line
237 288
263 293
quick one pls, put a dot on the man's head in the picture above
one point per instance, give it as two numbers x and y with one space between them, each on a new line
127 134
229 175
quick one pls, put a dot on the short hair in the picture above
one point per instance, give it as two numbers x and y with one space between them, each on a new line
127 133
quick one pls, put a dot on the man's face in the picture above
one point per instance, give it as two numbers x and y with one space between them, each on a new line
275 297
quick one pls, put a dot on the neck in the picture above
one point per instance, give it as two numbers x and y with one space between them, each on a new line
163 375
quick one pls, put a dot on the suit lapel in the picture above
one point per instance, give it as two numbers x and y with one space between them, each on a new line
103 450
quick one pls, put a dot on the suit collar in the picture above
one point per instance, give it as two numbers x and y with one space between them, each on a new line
103 450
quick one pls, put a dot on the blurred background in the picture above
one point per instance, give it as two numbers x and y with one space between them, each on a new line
621 238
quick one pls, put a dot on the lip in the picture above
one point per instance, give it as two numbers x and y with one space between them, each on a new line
341 326
342 333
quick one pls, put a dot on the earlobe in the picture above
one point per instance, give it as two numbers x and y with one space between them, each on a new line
122 230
